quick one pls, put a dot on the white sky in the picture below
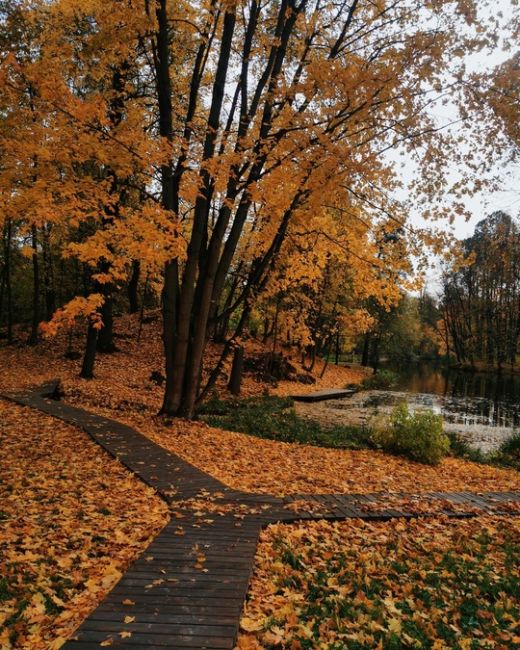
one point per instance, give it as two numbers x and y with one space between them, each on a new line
507 198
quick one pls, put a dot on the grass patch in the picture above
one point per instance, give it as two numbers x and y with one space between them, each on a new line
274 418
462 449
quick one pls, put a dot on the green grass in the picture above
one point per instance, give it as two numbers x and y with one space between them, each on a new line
274 418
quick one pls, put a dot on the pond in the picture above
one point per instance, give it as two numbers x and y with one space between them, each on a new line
481 408
468 398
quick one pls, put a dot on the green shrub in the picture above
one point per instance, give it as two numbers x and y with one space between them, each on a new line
461 448
383 380
508 455
511 446
418 436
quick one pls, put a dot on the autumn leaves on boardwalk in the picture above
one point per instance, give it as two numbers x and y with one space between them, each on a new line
204 575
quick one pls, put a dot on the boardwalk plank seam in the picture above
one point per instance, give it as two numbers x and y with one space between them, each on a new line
176 604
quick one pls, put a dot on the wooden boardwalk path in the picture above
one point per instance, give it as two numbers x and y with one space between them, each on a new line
187 589
321 395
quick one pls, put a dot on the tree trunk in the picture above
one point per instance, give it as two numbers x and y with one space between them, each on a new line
48 276
275 337
133 284
365 358
207 265
105 338
141 312
2 292
8 286
235 379
192 317
33 337
374 356
89 358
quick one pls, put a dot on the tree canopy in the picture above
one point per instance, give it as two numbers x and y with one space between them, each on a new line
229 155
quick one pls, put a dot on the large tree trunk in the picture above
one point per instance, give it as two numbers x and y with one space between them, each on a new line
192 320
89 358
207 264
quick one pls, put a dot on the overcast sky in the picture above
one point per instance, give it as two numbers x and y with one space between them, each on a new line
507 198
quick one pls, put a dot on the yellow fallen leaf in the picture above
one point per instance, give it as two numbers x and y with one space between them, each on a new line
250 625
394 625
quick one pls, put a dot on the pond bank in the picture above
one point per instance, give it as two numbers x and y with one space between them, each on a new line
474 420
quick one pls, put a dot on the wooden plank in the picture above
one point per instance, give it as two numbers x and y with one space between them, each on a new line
321 395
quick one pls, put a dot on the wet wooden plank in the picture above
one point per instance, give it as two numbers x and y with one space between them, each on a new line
321 395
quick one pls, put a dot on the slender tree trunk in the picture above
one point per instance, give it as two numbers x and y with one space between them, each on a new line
33 337
8 287
310 368
5 287
170 293
2 292
374 357
133 285
235 379
365 357
275 337
48 275
141 313
105 338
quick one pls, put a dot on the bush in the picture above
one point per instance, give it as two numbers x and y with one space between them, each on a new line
511 446
383 380
418 436
508 455
461 448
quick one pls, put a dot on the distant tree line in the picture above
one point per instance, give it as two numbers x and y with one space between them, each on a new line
481 298
406 332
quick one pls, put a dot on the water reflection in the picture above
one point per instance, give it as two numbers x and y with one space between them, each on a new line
469 398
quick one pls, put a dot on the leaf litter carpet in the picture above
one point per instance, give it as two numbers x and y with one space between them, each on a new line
188 587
